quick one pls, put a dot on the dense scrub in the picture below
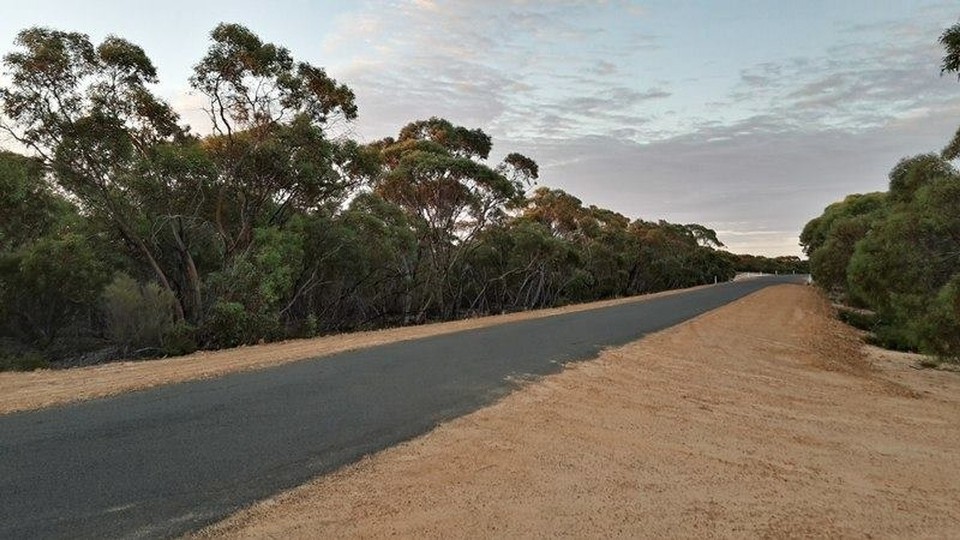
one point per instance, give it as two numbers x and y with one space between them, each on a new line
124 233
898 254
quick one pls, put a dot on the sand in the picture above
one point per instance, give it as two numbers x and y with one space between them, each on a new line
21 391
764 418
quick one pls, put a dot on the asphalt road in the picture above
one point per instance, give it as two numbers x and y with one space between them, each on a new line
162 462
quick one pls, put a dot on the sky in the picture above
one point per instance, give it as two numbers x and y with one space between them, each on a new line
746 116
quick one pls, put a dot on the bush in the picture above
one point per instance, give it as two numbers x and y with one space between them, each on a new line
858 319
180 339
229 324
307 328
893 337
939 330
138 317
226 325
23 362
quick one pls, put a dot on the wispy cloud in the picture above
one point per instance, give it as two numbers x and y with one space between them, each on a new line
755 181
514 67
878 73
621 104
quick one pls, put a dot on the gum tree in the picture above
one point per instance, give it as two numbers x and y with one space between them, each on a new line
87 112
438 173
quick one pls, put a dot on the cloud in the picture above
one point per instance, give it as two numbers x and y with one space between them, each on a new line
756 182
602 68
876 73
509 66
755 160
754 156
615 105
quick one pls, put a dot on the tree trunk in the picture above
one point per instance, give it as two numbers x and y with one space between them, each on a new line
193 277
158 272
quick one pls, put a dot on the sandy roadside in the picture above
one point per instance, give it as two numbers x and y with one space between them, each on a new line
763 418
45 388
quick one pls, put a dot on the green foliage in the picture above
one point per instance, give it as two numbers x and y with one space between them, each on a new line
263 278
278 257
250 83
908 266
257 289
911 174
829 240
179 339
828 264
901 259
51 265
559 251
48 285
940 328
858 319
950 40
770 265
138 317
23 362
88 114
27 199
230 324
817 231
436 173
893 337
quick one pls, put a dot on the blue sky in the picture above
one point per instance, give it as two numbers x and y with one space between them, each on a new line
746 116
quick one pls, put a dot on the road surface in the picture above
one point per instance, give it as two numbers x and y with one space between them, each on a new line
162 462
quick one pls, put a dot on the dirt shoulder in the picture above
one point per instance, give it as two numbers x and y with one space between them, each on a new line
763 418
45 388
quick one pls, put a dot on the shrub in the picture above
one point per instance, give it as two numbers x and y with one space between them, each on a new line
308 328
230 324
137 317
180 339
858 319
23 362
939 330
893 337
226 325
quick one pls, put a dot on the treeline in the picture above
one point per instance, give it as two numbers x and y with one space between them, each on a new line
126 234
898 252
787 264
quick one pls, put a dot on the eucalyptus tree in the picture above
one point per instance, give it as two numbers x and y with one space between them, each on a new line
269 115
898 252
438 173
88 114
830 240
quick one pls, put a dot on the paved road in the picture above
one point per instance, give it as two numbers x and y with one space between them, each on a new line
162 462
